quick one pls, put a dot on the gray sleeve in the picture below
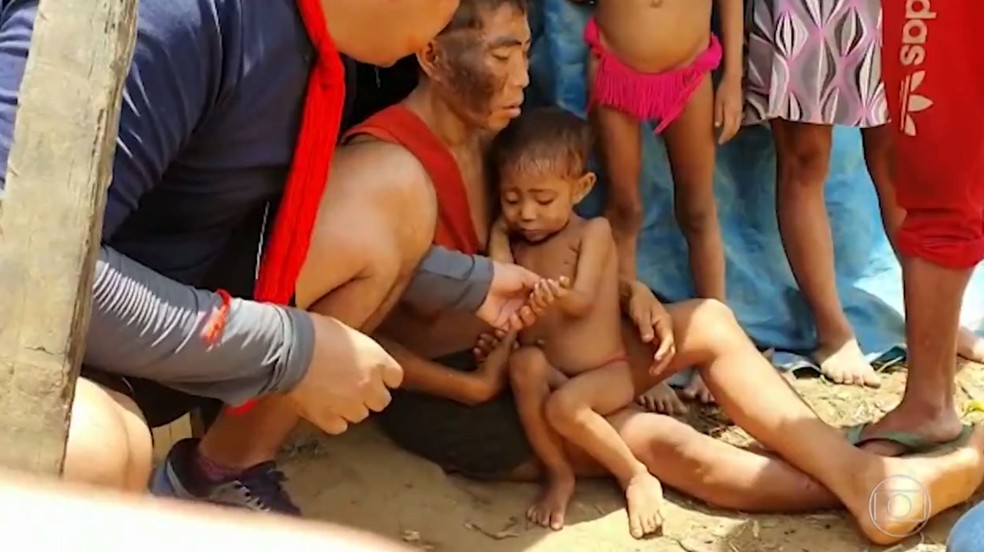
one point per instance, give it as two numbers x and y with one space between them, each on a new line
448 279
149 326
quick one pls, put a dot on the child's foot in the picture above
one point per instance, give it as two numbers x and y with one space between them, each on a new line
845 364
644 496
697 390
550 508
970 346
662 399
488 342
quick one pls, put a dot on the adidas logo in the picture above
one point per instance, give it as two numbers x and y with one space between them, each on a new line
912 102
915 34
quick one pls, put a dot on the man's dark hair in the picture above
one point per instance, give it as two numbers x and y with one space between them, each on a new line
546 139
470 12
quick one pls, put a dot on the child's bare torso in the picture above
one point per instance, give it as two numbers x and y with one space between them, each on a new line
573 344
653 36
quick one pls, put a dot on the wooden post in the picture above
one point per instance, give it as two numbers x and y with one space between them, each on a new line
50 225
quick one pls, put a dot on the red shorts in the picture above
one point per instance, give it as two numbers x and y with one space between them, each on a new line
934 78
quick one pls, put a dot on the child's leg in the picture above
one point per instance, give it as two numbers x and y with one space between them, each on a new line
619 149
532 379
690 146
803 158
878 153
577 412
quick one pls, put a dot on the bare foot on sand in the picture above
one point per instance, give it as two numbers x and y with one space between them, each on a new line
845 364
898 495
644 496
970 346
697 390
662 399
550 507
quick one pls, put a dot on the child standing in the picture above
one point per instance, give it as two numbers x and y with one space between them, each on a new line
650 60
541 163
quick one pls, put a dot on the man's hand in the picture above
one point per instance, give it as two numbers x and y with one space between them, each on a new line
655 325
350 374
507 307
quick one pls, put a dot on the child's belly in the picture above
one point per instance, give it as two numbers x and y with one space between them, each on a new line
655 39
577 346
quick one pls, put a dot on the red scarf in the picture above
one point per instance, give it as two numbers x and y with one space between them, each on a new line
288 245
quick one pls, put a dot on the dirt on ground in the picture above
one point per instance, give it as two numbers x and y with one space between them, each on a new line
363 480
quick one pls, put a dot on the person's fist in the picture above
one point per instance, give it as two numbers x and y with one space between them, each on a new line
349 376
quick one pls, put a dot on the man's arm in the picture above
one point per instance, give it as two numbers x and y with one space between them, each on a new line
142 323
149 326
449 280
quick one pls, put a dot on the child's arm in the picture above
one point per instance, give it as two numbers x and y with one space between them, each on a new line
499 248
595 257
728 100
471 388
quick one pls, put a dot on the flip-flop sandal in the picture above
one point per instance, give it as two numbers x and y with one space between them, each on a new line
910 442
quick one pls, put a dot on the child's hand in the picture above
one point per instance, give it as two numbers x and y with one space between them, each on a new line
727 108
548 292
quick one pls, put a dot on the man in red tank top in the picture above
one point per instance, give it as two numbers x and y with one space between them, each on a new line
935 83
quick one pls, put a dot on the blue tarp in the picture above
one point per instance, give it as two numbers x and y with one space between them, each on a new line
761 288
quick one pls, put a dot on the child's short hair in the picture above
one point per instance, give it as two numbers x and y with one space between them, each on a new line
546 139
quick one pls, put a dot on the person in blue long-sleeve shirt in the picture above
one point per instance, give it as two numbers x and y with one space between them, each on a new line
211 112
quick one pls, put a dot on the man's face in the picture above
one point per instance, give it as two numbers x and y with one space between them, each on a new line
484 72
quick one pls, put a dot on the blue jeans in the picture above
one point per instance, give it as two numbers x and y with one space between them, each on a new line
968 533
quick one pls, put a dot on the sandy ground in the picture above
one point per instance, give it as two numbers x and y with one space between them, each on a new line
361 479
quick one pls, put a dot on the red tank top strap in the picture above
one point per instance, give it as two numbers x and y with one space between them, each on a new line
399 125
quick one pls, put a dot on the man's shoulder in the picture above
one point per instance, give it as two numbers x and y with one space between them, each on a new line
377 166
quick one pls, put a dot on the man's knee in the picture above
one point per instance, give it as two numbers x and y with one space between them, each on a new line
109 444
716 319
709 329
528 367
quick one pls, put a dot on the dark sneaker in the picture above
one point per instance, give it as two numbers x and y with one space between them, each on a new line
259 488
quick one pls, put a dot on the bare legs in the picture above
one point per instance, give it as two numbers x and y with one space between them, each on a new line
932 298
803 156
691 147
109 443
242 441
575 412
532 379
816 457
757 399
